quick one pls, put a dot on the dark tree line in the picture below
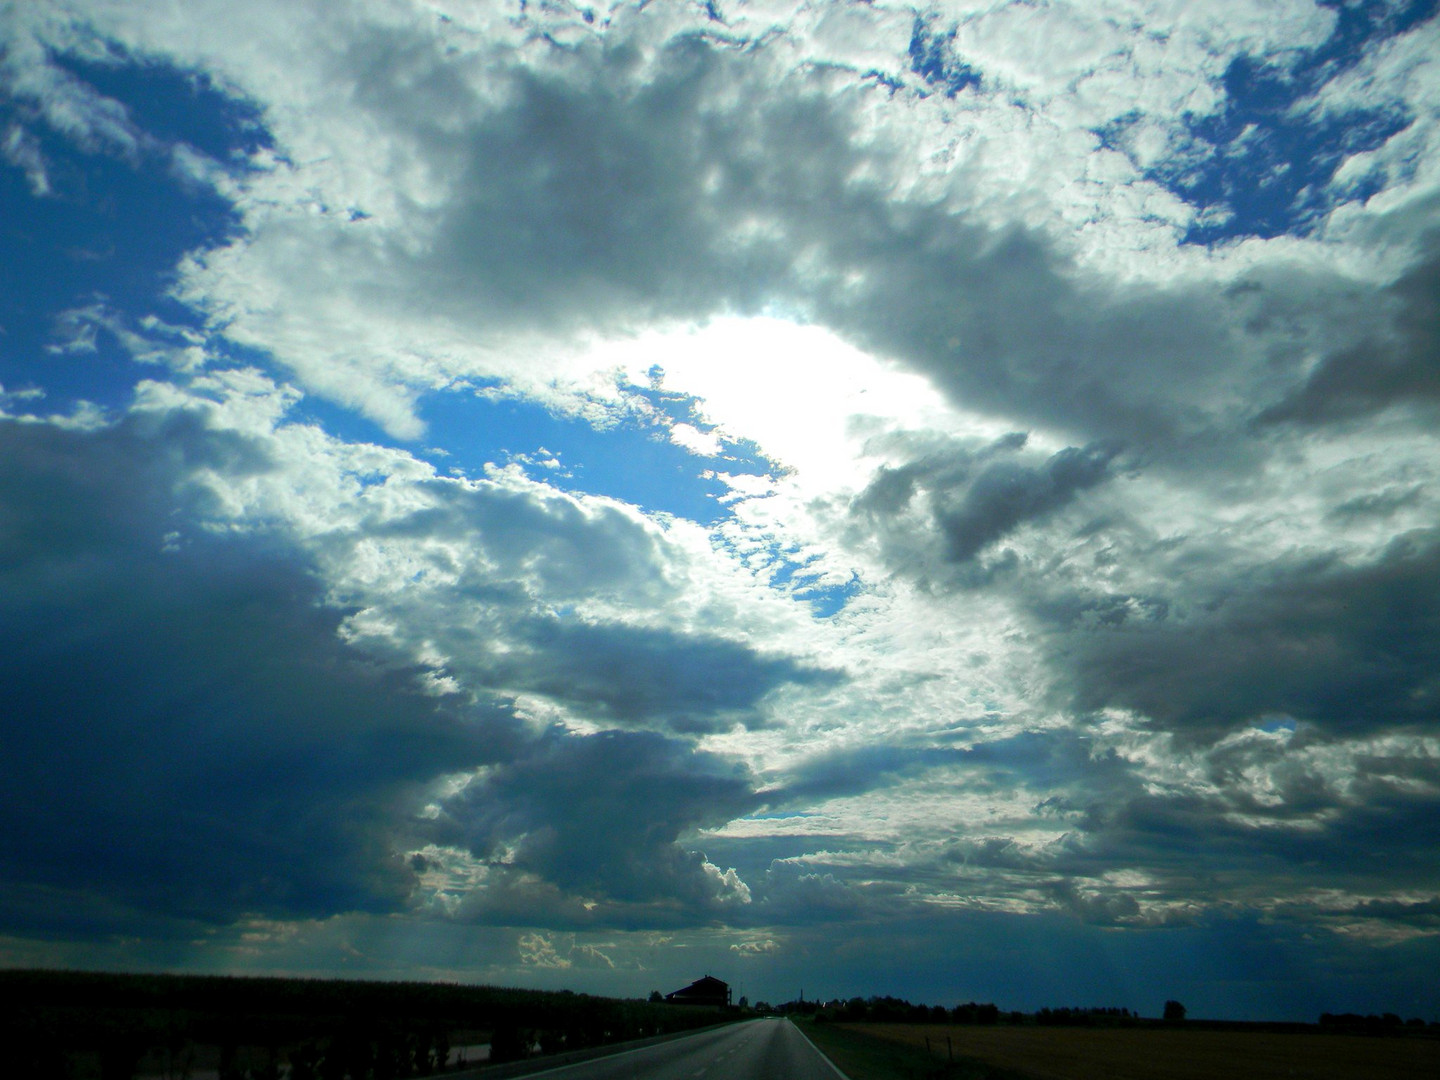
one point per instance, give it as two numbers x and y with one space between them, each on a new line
78 1026
1106 1016
1370 1024
892 1010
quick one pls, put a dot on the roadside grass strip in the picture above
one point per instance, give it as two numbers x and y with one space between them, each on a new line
862 1056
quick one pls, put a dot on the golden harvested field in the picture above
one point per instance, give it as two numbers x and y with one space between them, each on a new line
1060 1053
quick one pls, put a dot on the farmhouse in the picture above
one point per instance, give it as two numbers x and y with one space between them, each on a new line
706 991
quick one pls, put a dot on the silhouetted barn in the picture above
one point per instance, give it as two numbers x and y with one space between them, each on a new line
706 991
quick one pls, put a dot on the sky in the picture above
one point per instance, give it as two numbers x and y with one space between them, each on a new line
848 497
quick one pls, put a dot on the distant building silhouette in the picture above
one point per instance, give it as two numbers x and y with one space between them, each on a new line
706 991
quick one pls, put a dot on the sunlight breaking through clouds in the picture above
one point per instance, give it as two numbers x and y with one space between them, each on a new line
572 494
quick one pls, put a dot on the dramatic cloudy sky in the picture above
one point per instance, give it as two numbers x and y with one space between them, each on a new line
841 495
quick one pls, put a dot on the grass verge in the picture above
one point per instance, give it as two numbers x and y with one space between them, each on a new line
866 1057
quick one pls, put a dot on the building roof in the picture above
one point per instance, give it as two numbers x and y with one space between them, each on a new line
708 990
709 982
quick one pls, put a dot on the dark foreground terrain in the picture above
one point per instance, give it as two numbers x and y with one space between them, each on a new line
86 1026
967 1052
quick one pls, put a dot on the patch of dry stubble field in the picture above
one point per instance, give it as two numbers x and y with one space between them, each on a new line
1059 1053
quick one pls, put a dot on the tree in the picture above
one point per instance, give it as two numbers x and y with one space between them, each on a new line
441 1043
656 997
1174 1010
120 1055
305 1061
508 1043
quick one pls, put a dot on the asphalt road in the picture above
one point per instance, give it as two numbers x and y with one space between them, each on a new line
769 1049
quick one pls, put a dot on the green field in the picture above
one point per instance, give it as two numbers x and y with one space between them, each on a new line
898 1052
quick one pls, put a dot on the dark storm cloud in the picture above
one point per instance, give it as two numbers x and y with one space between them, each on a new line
1399 367
1044 760
1422 914
932 465
812 892
1003 325
636 675
1377 504
185 733
567 549
1050 760
971 497
600 816
1005 496
518 562
1264 821
609 197
1309 837
1249 821
855 770
1311 830
1351 647
188 737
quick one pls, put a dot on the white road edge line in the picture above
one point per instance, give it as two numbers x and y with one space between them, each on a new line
577 1064
615 1057
822 1054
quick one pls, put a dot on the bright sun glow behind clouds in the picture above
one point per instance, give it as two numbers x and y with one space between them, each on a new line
806 397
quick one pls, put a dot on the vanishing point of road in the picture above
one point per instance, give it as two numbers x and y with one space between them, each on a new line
754 1050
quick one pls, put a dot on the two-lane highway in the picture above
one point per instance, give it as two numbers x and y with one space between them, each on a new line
754 1050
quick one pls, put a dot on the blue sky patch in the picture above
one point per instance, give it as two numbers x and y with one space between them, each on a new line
177 106
825 600
106 236
932 57
794 574
1255 169
632 462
